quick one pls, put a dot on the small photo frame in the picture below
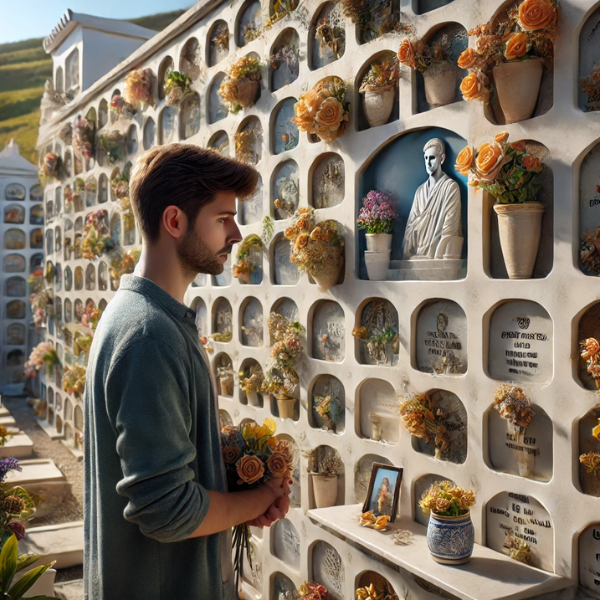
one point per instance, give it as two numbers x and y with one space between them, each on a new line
384 490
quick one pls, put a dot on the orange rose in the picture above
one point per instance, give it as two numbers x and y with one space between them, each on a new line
474 87
305 110
518 146
501 137
231 454
536 14
489 161
277 464
301 224
532 163
250 469
290 233
328 117
406 53
301 240
516 46
464 160
467 58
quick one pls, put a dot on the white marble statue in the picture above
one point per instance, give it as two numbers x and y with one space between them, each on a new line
434 225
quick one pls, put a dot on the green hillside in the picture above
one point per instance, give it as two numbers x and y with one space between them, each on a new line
24 68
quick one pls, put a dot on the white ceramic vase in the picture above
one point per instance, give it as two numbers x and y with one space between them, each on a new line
378 104
378 264
325 489
253 398
379 242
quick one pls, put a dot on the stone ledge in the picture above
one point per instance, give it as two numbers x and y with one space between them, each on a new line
62 543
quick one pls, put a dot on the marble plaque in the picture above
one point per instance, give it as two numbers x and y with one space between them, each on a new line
520 343
286 543
441 339
167 125
379 401
252 323
328 332
590 482
285 272
328 569
328 182
250 210
16 287
589 559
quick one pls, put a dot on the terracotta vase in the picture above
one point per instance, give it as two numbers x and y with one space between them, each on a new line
247 89
327 275
450 539
286 407
378 104
379 242
325 490
518 86
440 84
520 227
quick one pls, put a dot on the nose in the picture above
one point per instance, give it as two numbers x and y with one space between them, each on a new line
234 235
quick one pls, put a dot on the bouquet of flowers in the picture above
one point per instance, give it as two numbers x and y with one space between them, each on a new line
221 37
507 171
119 185
382 74
16 505
42 303
446 499
177 87
239 89
312 591
50 166
590 352
83 137
73 381
121 108
420 56
377 213
122 264
590 86
43 354
113 144
245 266
514 406
96 236
253 456
138 88
324 110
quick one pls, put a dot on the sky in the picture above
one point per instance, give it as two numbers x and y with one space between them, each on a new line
24 19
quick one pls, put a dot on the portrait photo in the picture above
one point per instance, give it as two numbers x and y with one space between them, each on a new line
384 490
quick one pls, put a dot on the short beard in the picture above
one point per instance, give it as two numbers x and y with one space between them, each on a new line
196 257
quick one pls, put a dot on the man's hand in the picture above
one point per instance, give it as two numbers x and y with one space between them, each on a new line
277 510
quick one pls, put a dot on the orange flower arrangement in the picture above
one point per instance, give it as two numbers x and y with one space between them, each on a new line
475 86
418 55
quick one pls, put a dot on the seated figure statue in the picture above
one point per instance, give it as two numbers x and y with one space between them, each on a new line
434 226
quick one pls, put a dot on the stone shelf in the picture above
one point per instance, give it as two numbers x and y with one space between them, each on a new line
489 575
62 543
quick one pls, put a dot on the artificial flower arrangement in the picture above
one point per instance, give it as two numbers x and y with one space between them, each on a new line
253 455
96 238
78 190
446 499
329 409
372 592
138 88
223 337
50 167
590 352
377 341
119 185
245 266
83 137
316 248
377 213
239 89
113 144
244 146
324 111
312 591
286 55
221 37
119 107
251 380
281 9
417 55
16 506
514 406
42 303
332 34
73 381
177 87
382 74
590 86
43 354
122 263
370 520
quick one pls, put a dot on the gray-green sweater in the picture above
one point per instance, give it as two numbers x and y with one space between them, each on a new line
152 449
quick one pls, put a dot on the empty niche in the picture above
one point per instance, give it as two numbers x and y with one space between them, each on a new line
589 558
216 108
520 343
439 85
222 321
519 525
328 181
589 211
190 59
328 332
248 141
224 374
252 571
285 543
90 278
285 189
189 116
423 6
295 490
589 65
132 141
248 23
250 209
399 168
589 453
102 304
376 108
327 36
285 134
328 404
15 334
380 583
376 334
496 254
218 43
250 378
220 142
199 307
14 263
283 587
283 271
441 339
421 485
328 569
225 277
149 135
167 126
166 67
284 60
378 18
377 412
252 323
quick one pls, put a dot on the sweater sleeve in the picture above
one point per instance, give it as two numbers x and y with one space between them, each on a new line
147 402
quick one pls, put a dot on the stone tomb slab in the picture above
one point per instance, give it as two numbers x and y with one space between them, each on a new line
8 421
589 559
286 543
328 332
62 543
520 343
20 445
378 399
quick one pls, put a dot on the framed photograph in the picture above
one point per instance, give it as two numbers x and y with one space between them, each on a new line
384 490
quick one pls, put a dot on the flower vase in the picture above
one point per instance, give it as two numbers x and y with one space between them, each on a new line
325 488
375 427
378 264
245 277
253 398
520 227
379 242
226 385
378 104
440 84
450 539
247 89
518 87
327 275
286 407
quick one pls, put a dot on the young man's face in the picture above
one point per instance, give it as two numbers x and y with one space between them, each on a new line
207 243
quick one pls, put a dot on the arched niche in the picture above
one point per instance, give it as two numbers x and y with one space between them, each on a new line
378 581
102 304
589 558
15 191
102 113
493 258
399 168
149 135
165 67
79 310
189 116
199 307
588 327
520 343
589 453
326 36
59 80
36 214
379 20
223 372
68 409
14 239
438 84
115 228
589 212
296 488
78 278
249 140
190 59
15 287
248 369
250 210
90 277
15 358
220 142
216 109
222 320
14 263
440 339
376 411
248 23
68 164
327 568
283 587
513 518
284 133
68 279
225 278
287 308
36 193
58 277
15 334
285 189
420 487
91 191
167 125
57 241
379 342
68 310
589 54
328 331
217 43
35 262
328 181
50 396
284 59
251 318
328 404
15 309
324 453
14 214
132 139
102 188
362 474
285 543
283 271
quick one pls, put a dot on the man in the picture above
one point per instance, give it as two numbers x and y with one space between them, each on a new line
157 515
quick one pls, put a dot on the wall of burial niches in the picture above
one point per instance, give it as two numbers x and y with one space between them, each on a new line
456 335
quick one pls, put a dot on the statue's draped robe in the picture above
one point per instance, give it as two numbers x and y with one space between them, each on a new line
435 213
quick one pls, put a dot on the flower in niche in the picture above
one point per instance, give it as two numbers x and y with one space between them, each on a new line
475 86
489 161
467 58
464 160
536 14
516 46
302 240
406 53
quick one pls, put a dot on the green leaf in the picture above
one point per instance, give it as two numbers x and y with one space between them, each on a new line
26 560
17 590
8 562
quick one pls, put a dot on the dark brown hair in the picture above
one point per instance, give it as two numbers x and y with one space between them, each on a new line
185 176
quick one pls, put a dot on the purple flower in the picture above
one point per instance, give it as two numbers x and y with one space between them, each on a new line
377 213
18 528
7 465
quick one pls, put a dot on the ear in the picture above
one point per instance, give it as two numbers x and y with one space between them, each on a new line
442 159
174 220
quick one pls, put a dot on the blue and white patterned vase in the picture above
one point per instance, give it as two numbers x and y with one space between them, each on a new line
450 539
